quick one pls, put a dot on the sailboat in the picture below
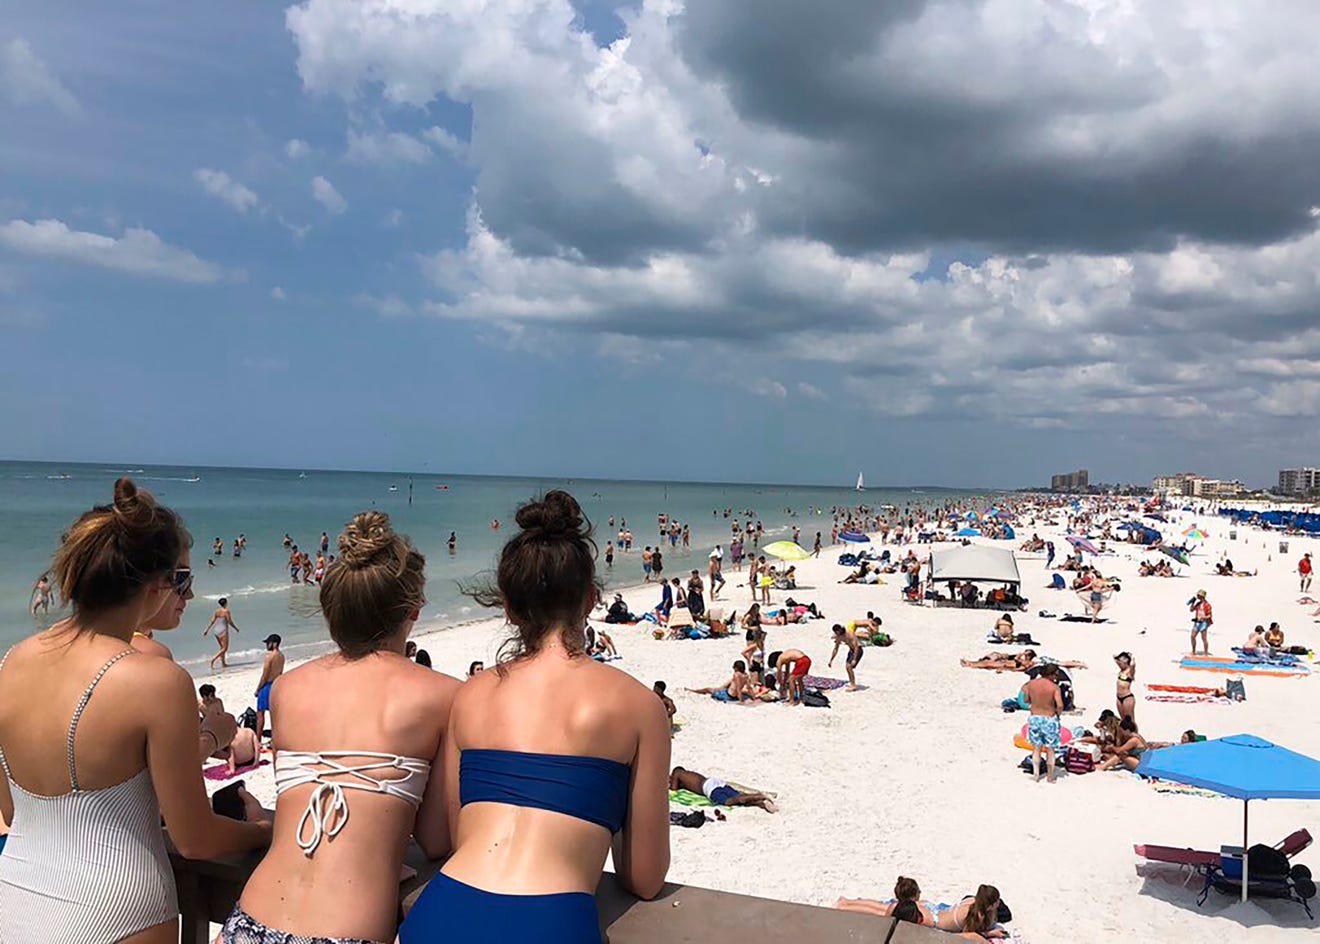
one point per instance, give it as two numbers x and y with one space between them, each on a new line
861 483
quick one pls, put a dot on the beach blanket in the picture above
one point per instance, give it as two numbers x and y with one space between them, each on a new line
688 798
822 683
1204 664
220 772
1185 789
1184 689
1189 699
1069 618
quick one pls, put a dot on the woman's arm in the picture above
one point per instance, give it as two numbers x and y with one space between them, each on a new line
436 823
641 849
864 906
167 709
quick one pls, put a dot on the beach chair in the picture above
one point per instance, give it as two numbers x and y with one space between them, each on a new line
1194 861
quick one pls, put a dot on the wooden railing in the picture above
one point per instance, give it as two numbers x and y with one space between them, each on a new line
681 914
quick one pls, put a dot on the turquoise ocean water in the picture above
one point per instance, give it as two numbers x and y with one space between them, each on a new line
39 500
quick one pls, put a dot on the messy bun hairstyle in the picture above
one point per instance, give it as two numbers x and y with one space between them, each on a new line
112 551
374 586
546 578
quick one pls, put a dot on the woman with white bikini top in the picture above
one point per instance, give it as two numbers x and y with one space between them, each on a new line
358 758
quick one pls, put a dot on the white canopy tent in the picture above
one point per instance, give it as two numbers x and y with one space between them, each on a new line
974 562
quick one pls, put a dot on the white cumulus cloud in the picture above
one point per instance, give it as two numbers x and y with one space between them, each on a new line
325 194
296 149
137 251
219 184
26 80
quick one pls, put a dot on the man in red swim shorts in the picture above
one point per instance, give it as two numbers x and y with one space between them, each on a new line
791 666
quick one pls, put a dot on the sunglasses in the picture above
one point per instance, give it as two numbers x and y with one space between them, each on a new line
182 580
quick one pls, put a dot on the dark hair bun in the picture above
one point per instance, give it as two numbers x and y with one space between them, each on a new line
365 539
132 508
556 514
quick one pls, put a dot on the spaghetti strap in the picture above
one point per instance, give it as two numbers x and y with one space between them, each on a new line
4 764
82 705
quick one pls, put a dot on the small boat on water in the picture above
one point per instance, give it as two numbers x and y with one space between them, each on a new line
861 483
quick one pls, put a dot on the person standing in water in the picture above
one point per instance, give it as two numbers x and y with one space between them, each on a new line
453 541
41 595
223 621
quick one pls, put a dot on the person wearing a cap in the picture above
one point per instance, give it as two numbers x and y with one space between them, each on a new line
1202 617
716 572
271 669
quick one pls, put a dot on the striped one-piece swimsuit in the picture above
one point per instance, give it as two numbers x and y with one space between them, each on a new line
88 865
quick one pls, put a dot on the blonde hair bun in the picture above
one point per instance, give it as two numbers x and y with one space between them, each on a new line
366 538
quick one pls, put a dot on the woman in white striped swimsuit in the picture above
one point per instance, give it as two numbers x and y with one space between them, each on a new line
97 741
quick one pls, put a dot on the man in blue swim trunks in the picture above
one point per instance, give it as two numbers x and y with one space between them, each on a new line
737 688
717 791
1042 694
271 669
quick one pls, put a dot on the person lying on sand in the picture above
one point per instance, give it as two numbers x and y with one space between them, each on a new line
718 791
737 688
906 892
1015 662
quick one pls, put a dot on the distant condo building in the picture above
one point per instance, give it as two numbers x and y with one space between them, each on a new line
1299 481
1078 481
1191 485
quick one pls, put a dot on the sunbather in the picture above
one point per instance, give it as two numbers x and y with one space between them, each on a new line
1003 661
737 688
1127 752
906 891
718 791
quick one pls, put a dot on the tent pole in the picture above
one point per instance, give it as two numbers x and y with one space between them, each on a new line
1245 876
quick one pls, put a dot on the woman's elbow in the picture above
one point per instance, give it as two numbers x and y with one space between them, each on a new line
434 848
647 883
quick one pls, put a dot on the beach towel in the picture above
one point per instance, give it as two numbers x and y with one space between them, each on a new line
220 772
1204 664
688 798
1184 689
1189 699
824 684
1069 618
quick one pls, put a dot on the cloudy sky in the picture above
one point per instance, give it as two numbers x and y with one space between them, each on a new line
962 242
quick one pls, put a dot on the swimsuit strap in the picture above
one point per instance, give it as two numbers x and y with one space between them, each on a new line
327 807
4 763
82 705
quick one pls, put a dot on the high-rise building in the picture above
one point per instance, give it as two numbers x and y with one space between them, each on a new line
1299 481
1078 481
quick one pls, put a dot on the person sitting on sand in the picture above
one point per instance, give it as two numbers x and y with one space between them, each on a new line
863 574
208 702
718 791
1128 749
1255 640
243 750
670 708
1004 627
1274 636
619 612
599 644
791 666
906 893
737 688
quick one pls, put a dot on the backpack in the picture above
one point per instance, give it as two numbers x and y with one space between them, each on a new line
1266 862
249 720
813 698
1236 689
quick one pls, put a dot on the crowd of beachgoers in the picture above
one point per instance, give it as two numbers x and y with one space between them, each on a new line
372 745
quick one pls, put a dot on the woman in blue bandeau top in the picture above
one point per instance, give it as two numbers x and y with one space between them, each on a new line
552 760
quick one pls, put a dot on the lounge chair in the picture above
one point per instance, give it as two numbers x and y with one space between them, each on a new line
1195 861
1293 885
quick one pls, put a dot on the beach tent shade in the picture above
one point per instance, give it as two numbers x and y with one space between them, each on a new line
1177 553
967 533
1083 544
854 537
787 550
974 562
1242 766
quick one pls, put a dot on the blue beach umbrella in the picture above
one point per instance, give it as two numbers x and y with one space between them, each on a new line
967 533
854 537
1242 766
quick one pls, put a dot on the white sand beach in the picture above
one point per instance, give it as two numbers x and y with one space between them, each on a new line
916 774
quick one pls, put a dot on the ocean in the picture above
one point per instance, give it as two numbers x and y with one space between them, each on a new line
38 501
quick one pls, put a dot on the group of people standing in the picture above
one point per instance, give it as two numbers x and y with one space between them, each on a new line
412 754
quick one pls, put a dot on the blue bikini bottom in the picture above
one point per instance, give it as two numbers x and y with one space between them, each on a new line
449 911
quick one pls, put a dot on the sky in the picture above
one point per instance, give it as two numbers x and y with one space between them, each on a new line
953 242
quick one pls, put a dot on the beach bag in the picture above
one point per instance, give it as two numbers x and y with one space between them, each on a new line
1079 762
815 699
1266 862
882 639
1236 689
694 820
249 720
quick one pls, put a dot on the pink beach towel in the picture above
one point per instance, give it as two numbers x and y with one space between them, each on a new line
220 772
